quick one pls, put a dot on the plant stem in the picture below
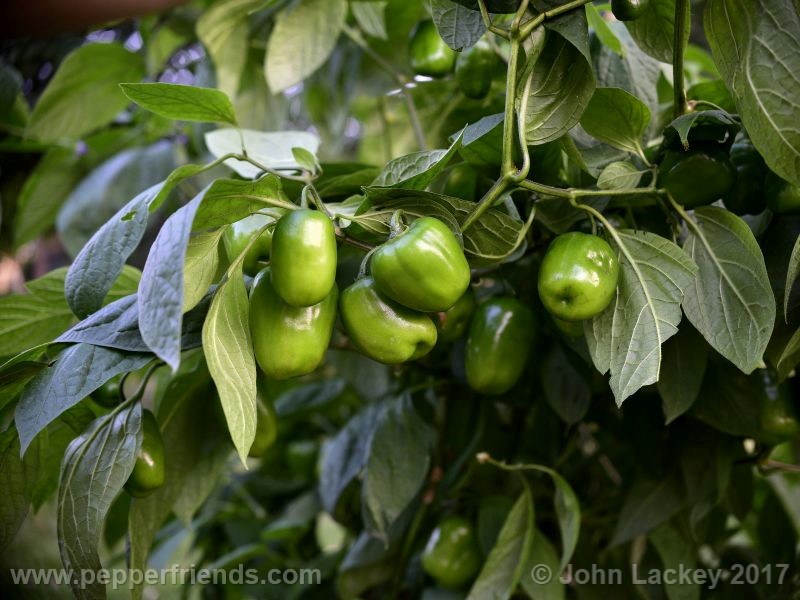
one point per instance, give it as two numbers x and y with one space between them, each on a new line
529 26
572 193
487 21
486 203
682 8
346 239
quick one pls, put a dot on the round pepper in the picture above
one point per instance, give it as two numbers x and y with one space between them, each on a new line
698 176
304 257
423 267
383 329
462 182
148 472
428 53
238 235
498 345
778 417
475 67
452 555
288 341
573 329
578 276
629 10
783 198
455 320
747 196
107 395
266 428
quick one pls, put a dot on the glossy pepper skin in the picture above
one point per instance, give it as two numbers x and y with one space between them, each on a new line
148 472
428 53
783 198
629 10
456 319
266 428
778 417
452 555
288 341
698 176
422 268
107 395
383 329
747 197
303 257
475 68
238 235
499 343
578 276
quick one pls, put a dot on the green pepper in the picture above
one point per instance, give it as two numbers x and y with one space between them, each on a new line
629 10
107 395
455 320
462 182
266 427
578 276
304 257
383 329
778 417
288 341
423 267
428 53
148 472
783 198
499 343
573 329
698 176
238 235
475 67
452 555
747 196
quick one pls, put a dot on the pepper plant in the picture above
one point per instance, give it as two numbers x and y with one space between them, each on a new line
425 333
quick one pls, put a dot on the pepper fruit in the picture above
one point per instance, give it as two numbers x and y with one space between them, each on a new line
428 53
578 276
423 267
783 198
238 235
698 176
778 417
499 343
288 341
383 329
573 329
456 319
266 428
462 182
107 395
452 555
629 10
148 471
747 196
303 257
474 69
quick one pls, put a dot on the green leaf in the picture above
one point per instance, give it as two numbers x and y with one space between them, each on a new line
271 149
308 398
307 160
619 175
78 371
415 171
506 563
617 118
301 41
201 266
730 302
108 188
84 94
754 45
397 464
160 296
17 478
543 553
561 85
229 352
790 356
709 125
739 414
224 31
682 369
371 18
648 505
654 31
626 338
229 200
95 468
565 388
182 102
792 271
676 553
482 141
602 30
457 25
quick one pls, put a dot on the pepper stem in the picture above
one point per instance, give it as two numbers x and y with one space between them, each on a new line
396 224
